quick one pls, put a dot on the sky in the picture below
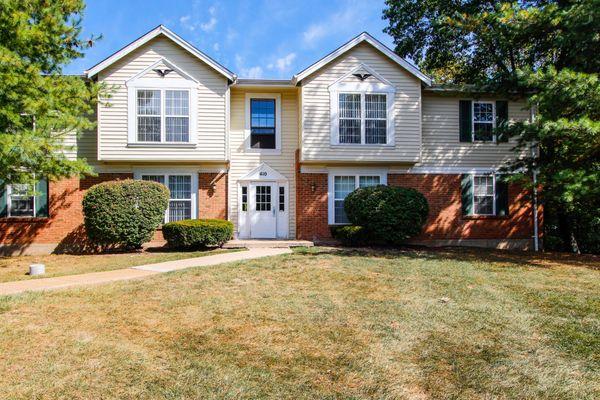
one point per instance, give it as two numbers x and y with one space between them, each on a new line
255 39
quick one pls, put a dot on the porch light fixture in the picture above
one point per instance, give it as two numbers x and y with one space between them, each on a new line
313 187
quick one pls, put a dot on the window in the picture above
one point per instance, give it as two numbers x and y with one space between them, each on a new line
350 118
262 125
23 200
483 121
281 198
180 198
483 195
375 118
244 198
263 198
163 115
343 185
358 127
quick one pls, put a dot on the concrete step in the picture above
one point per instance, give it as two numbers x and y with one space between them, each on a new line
266 243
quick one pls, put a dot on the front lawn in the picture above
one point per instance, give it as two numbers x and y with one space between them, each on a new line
17 268
319 323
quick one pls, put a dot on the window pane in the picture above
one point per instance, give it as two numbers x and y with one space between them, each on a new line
262 123
375 106
263 198
149 129
180 186
21 202
180 210
154 178
343 186
484 205
281 199
177 129
244 198
376 131
177 103
483 131
483 195
148 102
483 121
366 181
349 118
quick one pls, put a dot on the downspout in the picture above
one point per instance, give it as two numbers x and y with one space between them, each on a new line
534 155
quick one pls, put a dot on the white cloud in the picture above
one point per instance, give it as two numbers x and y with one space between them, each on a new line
282 64
252 72
216 47
212 22
185 22
353 14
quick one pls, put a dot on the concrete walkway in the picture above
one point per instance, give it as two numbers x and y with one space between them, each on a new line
141 271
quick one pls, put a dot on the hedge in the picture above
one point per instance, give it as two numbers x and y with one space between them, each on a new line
388 215
124 213
350 235
197 233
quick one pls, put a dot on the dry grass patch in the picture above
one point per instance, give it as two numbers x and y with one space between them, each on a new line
319 323
16 268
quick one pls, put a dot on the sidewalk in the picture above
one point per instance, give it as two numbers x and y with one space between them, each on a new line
138 272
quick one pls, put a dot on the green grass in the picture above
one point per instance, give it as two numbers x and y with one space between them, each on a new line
319 323
17 268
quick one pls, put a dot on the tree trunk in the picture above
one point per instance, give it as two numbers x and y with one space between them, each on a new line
567 232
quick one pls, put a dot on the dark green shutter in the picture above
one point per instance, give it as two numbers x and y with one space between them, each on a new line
41 198
501 196
466 194
465 120
502 117
3 200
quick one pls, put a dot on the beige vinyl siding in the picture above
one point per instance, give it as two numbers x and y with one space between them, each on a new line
441 143
84 145
243 162
211 89
316 137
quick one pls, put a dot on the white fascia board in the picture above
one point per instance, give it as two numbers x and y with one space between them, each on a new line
363 37
160 30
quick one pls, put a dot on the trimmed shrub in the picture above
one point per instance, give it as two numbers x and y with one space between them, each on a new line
124 213
197 233
388 214
350 235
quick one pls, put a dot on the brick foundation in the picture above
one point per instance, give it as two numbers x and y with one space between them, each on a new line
445 226
64 227
64 230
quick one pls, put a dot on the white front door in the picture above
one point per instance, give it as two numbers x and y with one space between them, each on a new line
263 210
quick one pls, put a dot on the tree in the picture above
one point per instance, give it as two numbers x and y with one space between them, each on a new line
544 50
38 105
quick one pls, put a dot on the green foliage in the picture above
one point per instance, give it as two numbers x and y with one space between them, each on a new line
124 213
350 235
198 233
38 105
388 214
545 51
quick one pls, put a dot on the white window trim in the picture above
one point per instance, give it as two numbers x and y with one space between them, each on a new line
168 172
493 103
493 176
140 82
247 127
357 173
8 189
382 87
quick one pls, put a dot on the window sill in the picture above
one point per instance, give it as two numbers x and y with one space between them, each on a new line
24 219
274 152
361 146
162 144
477 217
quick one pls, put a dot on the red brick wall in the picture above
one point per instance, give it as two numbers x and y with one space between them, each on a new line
65 222
445 214
212 195
445 221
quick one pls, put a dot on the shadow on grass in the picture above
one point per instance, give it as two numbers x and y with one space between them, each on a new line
510 258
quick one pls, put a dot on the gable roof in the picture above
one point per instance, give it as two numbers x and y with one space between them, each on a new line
363 37
160 30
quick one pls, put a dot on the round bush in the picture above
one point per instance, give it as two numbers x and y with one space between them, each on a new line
350 235
197 233
388 214
124 213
